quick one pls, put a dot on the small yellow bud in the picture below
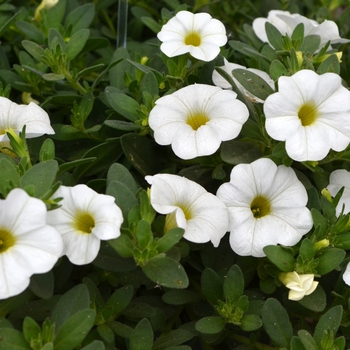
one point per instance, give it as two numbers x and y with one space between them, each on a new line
45 4
300 58
325 193
144 60
27 98
324 243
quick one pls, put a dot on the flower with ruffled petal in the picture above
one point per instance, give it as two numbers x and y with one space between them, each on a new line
196 119
188 205
286 22
198 34
299 284
228 67
14 116
27 244
266 206
338 179
45 4
84 218
311 113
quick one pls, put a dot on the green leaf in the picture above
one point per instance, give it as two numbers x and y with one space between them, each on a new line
9 178
281 257
13 303
144 234
169 239
329 259
124 105
234 284
55 39
141 338
75 300
47 150
31 31
237 152
316 301
277 69
42 285
250 323
122 245
53 77
106 334
253 83
118 301
329 321
31 330
76 43
95 345
307 340
12 339
118 172
34 49
172 339
81 17
274 36
74 330
276 323
307 250
310 44
122 125
151 24
212 286
180 297
298 35
210 325
149 83
166 272
329 65
7 23
41 176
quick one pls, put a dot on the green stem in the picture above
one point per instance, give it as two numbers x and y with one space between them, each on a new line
74 84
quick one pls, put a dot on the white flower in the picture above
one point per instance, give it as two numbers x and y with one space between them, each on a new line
286 22
338 179
188 205
311 113
346 275
196 119
299 285
27 244
220 81
266 205
45 4
199 34
14 116
84 218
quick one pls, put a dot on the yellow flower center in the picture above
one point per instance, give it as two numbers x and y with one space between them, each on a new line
84 223
193 39
197 120
307 114
7 240
260 207
170 219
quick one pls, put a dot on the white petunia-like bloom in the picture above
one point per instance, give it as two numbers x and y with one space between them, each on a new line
27 244
286 22
84 218
198 34
266 206
196 119
188 205
346 275
14 116
299 285
338 179
311 113
45 4
220 81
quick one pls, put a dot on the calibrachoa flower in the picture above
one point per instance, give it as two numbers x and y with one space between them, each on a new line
338 179
299 285
220 81
311 113
84 218
188 205
45 4
27 244
14 116
286 22
346 275
199 34
266 205
196 119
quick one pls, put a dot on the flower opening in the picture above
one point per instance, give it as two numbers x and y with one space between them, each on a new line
84 223
260 207
307 114
197 120
7 240
193 39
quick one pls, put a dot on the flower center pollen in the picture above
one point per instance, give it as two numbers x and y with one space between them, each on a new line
307 114
170 219
84 223
260 207
193 39
197 120
7 240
